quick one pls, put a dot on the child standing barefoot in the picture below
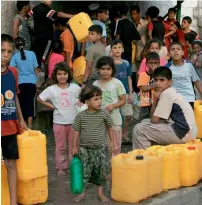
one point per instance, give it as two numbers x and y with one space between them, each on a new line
63 95
113 96
92 126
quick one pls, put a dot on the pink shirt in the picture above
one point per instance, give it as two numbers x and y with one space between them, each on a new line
53 60
144 68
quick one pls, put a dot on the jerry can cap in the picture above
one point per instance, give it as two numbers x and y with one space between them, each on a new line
139 157
191 148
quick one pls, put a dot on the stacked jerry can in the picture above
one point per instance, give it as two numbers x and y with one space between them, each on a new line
32 168
198 117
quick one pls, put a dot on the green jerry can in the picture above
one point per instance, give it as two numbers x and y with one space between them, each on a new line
76 175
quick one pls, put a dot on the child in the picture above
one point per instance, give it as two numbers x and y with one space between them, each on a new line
20 24
171 16
184 74
113 96
67 40
92 126
26 63
170 104
94 52
196 59
153 46
189 39
63 95
146 81
55 57
123 73
10 114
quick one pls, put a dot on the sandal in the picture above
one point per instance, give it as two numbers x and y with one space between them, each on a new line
128 142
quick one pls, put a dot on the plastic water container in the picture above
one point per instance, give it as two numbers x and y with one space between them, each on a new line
171 168
129 178
80 24
32 162
79 66
197 143
155 170
198 117
5 195
34 191
76 175
189 164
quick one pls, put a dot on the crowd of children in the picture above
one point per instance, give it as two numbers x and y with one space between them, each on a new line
168 67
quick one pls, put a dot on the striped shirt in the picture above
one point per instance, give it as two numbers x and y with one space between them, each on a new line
93 127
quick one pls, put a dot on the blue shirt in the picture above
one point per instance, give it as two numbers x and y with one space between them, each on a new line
183 76
123 70
26 71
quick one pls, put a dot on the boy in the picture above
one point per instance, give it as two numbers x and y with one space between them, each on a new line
20 25
146 81
123 73
171 16
91 127
10 111
172 118
157 29
184 74
94 52
44 17
67 40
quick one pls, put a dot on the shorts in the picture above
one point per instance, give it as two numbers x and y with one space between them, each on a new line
96 165
127 109
9 147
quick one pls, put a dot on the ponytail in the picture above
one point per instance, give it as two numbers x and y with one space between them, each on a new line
20 44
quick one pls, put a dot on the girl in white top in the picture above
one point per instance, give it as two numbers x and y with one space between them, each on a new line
113 96
61 97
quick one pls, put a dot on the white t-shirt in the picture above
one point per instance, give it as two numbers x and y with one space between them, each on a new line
110 94
64 101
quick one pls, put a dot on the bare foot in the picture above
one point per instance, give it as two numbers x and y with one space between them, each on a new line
103 198
61 173
80 197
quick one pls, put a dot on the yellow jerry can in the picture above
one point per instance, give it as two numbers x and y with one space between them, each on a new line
198 117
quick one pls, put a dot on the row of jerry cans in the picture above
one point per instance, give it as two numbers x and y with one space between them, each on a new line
198 116
32 171
143 173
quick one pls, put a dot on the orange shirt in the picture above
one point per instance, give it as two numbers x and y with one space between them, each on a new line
145 97
68 43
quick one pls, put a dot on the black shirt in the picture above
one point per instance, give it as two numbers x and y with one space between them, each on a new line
127 32
158 31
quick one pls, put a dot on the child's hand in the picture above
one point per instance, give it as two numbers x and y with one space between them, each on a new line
51 106
130 99
23 125
109 108
156 96
74 151
79 104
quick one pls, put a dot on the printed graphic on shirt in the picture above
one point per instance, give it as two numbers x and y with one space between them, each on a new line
107 97
64 102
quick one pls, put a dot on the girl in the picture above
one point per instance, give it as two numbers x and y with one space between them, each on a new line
92 126
152 46
62 95
196 59
26 63
113 96
55 57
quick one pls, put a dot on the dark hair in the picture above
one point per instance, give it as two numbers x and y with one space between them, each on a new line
171 10
163 71
114 13
188 19
152 56
102 9
160 18
89 92
57 46
62 67
190 37
115 42
176 43
21 4
96 28
199 42
152 12
135 8
61 21
7 38
123 9
106 60
20 45
149 43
